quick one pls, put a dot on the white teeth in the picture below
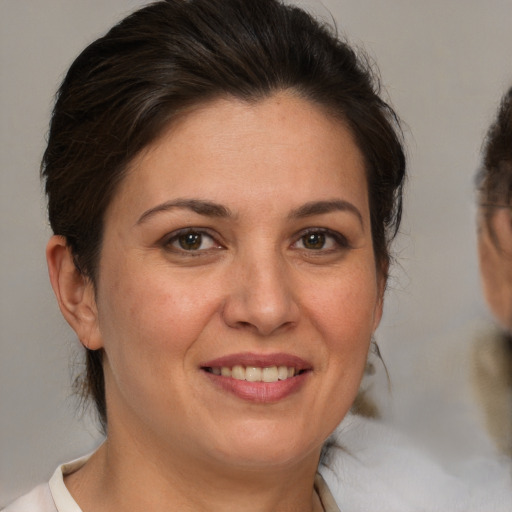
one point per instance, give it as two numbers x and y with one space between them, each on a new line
238 372
282 372
270 374
225 371
255 373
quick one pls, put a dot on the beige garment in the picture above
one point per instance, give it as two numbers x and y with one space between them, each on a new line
327 499
55 497
492 382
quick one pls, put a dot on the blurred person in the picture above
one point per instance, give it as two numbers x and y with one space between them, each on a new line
492 355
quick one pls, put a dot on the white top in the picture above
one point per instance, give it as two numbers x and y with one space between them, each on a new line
55 497
379 469
375 469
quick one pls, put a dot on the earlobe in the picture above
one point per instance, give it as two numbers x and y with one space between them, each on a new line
378 312
74 292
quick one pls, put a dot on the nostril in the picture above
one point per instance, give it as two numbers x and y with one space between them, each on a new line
242 325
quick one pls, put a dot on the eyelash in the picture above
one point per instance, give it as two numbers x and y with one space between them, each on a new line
339 240
174 237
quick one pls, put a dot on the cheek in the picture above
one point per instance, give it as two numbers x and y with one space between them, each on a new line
496 276
345 317
351 302
150 331
148 319
346 313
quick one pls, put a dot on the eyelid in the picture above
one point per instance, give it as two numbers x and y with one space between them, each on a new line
167 240
340 239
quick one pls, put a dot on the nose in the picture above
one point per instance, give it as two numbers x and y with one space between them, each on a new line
261 296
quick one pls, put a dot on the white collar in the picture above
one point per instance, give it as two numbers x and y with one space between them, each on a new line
62 498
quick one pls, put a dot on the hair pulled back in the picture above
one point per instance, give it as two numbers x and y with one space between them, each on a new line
494 179
125 88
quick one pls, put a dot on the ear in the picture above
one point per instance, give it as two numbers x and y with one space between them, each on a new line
74 292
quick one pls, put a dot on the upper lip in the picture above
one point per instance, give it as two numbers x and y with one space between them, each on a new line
258 360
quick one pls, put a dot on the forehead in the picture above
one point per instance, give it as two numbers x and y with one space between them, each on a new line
233 149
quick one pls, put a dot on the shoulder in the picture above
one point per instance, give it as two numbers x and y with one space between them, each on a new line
492 356
38 500
50 497
491 373
375 468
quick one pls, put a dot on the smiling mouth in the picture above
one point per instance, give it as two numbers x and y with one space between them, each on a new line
255 373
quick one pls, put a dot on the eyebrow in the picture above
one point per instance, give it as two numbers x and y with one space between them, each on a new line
211 209
200 206
322 207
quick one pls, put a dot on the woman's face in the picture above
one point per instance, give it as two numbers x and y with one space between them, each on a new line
237 289
495 256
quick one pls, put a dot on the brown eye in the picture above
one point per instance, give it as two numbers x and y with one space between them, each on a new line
321 240
190 241
314 241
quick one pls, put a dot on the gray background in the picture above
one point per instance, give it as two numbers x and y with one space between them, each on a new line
444 63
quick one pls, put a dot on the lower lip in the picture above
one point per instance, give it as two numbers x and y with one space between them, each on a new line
261 392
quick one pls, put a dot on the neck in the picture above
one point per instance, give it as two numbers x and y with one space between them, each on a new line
127 475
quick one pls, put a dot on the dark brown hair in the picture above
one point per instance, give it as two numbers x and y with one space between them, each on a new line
126 87
494 179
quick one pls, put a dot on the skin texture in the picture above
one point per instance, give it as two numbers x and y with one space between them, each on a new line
254 286
495 258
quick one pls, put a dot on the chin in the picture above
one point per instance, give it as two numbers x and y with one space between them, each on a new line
268 459
257 448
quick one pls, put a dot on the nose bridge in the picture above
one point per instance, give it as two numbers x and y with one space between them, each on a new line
262 295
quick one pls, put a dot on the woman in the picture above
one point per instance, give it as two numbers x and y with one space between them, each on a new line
493 354
223 183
